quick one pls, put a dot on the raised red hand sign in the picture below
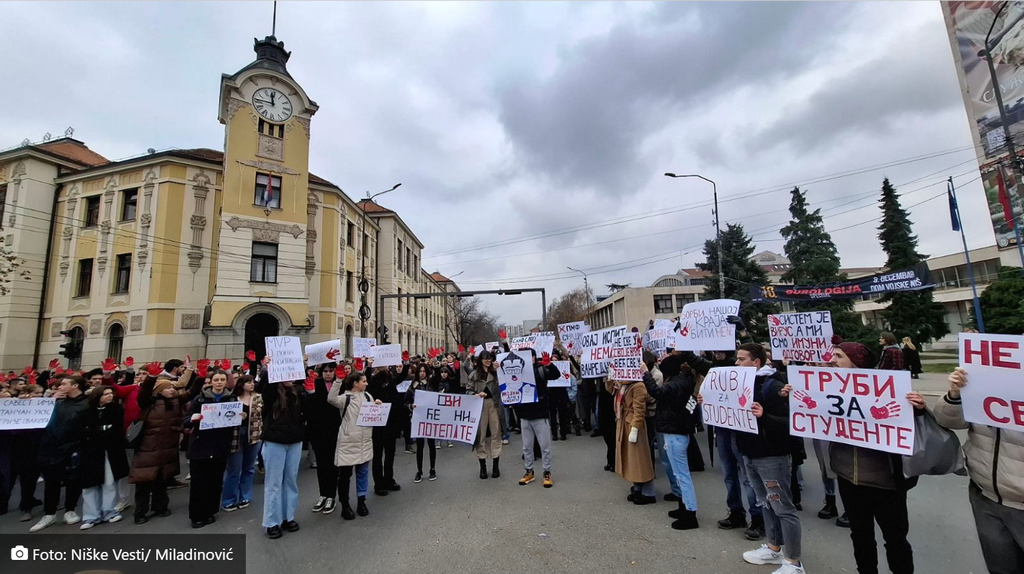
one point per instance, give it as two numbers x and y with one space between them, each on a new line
502 334
129 361
333 354
251 355
109 364
154 368
358 364
54 363
405 355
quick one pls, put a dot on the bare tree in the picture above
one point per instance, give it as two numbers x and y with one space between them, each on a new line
474 324
9 265
569 307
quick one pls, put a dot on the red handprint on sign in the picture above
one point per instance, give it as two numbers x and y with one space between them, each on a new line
827 355
685 331
502 334
745 397
887 411
775 320
358 364
804 398
545 359
332 353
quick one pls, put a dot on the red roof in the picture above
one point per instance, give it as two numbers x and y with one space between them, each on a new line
73 150
439 278
372 207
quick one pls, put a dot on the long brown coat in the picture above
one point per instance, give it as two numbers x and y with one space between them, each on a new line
157 455
632 460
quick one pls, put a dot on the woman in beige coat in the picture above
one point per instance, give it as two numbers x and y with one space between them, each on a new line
632 453
355 443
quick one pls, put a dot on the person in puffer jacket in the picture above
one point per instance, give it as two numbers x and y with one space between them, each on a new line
995 463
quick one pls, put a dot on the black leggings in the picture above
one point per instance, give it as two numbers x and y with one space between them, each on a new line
865 506
419 453
326 472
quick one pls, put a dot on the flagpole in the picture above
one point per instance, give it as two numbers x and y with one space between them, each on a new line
958 225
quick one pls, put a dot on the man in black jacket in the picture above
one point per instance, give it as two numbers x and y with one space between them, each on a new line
534 420
383 383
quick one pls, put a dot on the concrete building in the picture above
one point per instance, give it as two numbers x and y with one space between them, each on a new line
635 306
450 323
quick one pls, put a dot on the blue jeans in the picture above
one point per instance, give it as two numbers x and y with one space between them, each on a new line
663 455
362 480
735 473
770 477
240 472
508 424
281 483
677 466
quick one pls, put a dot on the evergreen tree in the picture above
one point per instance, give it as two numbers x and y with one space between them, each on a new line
1001 304
740 272
913 314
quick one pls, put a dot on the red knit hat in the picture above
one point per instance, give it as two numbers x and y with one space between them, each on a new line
858 353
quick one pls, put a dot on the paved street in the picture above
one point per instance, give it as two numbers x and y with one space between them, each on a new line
463 524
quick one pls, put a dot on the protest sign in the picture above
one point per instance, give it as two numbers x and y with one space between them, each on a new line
371 415
626 356
361 346
516 378
658 341
569 334
540 343
703 326
728 393
326 352
220 415
285 359
446 416
403 386
486 347
994 393
386 355
861 407
25 413
597 351
563 369
803 337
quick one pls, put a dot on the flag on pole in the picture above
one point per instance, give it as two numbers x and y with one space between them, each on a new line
952 210
1004 199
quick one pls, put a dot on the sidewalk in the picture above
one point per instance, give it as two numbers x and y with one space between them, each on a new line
931 384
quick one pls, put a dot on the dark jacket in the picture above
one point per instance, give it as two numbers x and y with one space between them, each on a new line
430 384
866 467
283 423
210 443
673 397
449 385
63 434
891 359
157 454
382 385
772 438
912 360
104 441
539 410
322 418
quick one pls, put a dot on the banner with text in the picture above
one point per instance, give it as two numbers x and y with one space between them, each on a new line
660 339
626 356
597 351
16 414
220 415
569 334
540 343
371 415
862 407
804 337
386 355
564 370
728 393
286 359
913 279
703 326
492 347
362 347
994 393
446 416
516 378
326 352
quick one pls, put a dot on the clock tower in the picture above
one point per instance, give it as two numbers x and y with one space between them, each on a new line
265 214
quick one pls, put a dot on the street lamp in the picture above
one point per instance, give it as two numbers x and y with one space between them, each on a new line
364 285
718 229
586 287
445 329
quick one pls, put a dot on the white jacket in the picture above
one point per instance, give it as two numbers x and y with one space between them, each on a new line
355 443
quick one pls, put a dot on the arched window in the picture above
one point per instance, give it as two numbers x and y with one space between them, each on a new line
115 342
401 342
348 340
78 338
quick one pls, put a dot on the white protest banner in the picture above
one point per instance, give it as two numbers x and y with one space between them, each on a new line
326 352
626 356
18 414
569 334
728 393
446 416
386 355
862 407
803 337
285 359
220 415
516 378
485 347
597 351
703 326
540 342
371 415
563 369
994 393
361 347
658 341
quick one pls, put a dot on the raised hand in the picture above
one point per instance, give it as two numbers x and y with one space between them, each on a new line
805 399
888 411
545 359
251 355
502 334
54 363
359 364
129 361
109 364
405 356
757 409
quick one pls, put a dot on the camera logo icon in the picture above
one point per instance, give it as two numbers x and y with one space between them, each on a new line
19 552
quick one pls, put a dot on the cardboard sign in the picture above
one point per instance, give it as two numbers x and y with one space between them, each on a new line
564 370
703 326
728 393
516 378
862 407
625 359
446 416
486 347
326 352
569 334
386 355
371 415
361 347
597 351
994 393
540 342
221 415
804 337
25 413
286 359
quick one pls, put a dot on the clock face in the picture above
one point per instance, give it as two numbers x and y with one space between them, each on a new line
272 105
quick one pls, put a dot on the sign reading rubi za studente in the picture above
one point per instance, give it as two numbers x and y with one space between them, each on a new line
703 326
994 394
728 393
804 337
862 407
446 416
597 351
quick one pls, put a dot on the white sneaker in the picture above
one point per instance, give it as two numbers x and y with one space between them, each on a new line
45 521
763 555
123 505
790 568
71 518
115 518
87 525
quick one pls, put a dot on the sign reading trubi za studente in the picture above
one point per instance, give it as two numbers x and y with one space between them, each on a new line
728 394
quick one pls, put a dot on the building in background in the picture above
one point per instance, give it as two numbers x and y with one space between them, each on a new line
450 322
635 306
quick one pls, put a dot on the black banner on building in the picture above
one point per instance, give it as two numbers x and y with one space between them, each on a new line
914 279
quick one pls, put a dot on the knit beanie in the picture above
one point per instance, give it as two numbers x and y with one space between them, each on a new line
671 365
858 353
160 385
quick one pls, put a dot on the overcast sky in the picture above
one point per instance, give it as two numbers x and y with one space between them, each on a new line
506 120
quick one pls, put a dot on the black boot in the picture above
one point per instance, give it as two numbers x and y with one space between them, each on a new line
736 519
679 512
361 509
843 521
495 472
687 522
756 530
829 510
483 468
346 510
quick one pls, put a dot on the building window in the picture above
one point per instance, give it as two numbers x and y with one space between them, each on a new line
662 304
399 300
129 204
92 211
263 268
366 244
124 273
401 250
349 287
408 262
3 203
415 308
78 338
273 130
268 191
348 340
351 235
115 342
416 263
683 300
84 278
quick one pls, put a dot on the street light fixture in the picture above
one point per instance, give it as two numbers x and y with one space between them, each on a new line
718 228
364 285
586 286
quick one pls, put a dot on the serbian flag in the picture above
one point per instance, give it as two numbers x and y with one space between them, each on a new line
1004 199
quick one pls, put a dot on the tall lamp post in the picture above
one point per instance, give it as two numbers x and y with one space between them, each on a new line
718 229
444 327
586 286
364 285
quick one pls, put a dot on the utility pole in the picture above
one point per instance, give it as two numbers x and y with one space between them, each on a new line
364 285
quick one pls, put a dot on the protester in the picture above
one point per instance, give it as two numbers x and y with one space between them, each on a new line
60 451
383 384
534 420
911 358
995 464
560 412
241 468
208 453
156 461
447 382
284 427
632 456
892 356
483 382
24 460
322 421
104 461
423 380
355 443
